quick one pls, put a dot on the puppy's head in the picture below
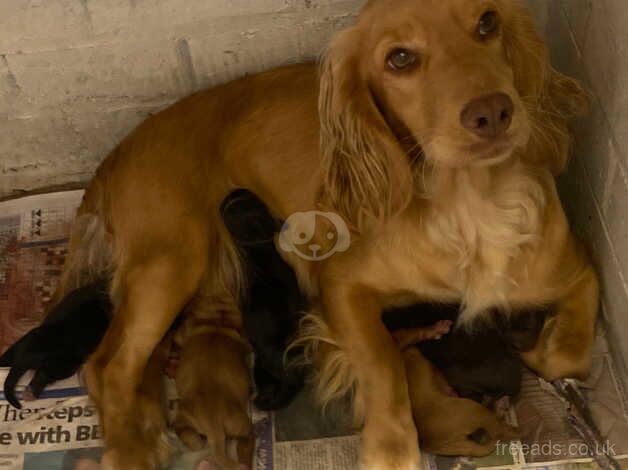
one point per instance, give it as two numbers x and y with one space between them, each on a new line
522 329
449 425
248 219
458 426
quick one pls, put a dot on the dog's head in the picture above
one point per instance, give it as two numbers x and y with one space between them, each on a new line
457 82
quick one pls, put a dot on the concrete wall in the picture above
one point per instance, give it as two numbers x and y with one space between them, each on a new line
589 40
77 75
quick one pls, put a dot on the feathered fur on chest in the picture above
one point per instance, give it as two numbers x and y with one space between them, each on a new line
486 223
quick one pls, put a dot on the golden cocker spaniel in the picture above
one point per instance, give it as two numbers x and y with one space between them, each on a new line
434 129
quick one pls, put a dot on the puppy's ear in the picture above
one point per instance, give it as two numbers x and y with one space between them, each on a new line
367 176
551 98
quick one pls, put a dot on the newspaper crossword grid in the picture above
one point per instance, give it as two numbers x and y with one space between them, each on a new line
60 431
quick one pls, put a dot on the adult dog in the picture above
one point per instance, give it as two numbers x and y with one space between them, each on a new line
433 131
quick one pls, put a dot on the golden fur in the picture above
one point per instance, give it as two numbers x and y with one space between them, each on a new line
436 212
213 400
431 403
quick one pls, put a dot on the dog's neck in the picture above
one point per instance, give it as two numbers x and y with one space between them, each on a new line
484 218
441 185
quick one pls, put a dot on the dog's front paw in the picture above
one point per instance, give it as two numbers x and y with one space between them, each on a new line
390 450
560 354
557 364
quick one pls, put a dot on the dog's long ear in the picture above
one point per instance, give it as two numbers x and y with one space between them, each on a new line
367 176
551 98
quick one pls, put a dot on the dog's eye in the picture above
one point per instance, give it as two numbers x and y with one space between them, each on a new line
488 24
400 59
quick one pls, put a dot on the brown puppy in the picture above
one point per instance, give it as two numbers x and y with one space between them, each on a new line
212 380
449 425
433 131
213 362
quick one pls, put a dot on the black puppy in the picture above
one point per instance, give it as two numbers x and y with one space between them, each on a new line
61 344
482 363
476 364
271 304
479 363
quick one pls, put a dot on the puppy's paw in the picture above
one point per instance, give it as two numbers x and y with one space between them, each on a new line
411 336
213 402
439 329
213 426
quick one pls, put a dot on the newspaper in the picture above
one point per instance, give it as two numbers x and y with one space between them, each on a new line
61 429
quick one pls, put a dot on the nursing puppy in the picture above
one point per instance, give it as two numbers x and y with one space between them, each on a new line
482 363
449 425
272 306
218 363
433 129
479 363
61 344
470 428
271 303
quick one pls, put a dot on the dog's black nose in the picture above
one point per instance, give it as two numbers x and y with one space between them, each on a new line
488 116
480 436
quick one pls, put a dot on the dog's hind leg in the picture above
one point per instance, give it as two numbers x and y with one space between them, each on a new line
152 401
150 291
410 336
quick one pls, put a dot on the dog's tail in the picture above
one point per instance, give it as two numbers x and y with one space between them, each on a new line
90 251
333 377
